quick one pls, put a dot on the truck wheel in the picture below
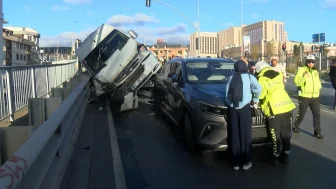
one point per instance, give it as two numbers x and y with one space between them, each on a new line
189 141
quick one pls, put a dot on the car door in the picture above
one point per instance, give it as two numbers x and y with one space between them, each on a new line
175 95
162 87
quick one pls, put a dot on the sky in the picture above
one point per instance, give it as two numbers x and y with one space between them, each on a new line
58 21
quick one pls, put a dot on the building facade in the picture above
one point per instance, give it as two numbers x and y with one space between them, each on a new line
208 44
17 50
163 50
30 35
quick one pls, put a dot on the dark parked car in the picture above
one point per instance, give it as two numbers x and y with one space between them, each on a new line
191 93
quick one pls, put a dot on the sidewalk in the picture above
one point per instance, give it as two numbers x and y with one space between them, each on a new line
91 165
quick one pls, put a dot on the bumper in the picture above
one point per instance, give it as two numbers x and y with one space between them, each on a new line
211 132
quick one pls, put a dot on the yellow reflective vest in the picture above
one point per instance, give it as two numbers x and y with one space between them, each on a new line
308 86
274 99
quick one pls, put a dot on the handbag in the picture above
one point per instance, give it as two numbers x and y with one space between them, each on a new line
255 112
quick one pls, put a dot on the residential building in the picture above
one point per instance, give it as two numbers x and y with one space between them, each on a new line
168 50
208 44
30 35
262 34
230 37
17 50
75 46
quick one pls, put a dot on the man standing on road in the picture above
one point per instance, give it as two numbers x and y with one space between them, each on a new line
277 107
279 68
332 74
307 80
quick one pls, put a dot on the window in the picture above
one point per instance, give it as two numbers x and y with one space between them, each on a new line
17 57
21 57
29 38
166 69
115 40
175 70
209 71
24 57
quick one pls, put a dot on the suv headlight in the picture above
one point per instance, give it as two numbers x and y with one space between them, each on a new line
211 109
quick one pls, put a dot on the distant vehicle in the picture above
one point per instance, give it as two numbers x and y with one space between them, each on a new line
117 62
191 93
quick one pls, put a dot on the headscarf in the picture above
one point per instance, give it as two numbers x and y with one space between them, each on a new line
235 93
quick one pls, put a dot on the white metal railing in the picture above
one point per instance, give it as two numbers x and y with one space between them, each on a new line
41 162
19 83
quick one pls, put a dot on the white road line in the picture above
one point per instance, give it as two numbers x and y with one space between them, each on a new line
119 175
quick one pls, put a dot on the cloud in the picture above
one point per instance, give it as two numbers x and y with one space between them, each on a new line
59 8
329 4
77 1
64 38
257 1
27 8
138 19
175 34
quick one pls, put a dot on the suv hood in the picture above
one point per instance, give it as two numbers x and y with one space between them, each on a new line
215 90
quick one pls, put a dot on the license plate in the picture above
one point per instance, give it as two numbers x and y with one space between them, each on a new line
135 85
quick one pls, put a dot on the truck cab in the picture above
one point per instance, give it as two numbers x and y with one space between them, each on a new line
118 64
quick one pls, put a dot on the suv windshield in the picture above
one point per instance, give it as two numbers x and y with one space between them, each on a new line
98 56
209 72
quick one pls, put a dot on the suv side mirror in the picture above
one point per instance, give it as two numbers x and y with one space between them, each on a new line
133 34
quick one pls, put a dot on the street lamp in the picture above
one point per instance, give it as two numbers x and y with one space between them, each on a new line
148 4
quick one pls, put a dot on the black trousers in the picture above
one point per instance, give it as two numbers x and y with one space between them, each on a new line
280 130
240 134
314 105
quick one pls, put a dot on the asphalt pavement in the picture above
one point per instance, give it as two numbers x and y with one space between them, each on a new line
154 159
151 157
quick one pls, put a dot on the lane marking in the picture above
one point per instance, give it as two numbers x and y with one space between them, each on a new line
119 175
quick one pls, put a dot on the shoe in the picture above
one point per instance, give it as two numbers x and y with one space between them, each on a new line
236 168
247 166
296 130
318 135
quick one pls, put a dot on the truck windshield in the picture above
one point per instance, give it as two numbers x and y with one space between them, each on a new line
95 61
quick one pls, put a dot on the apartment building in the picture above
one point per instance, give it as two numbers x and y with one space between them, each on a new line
168 50
74 47
30 35
17 50
230 37
263 36
208 44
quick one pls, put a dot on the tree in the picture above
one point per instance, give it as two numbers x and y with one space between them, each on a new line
254 53
270 49
296 55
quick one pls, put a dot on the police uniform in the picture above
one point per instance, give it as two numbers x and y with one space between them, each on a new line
277 107
308 82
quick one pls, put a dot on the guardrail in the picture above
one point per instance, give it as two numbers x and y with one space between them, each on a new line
19 83
42 160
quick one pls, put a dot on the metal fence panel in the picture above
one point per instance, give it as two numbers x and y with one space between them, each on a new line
19 83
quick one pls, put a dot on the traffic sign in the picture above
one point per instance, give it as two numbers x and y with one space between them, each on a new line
318 37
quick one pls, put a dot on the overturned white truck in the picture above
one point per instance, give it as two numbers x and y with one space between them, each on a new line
118 64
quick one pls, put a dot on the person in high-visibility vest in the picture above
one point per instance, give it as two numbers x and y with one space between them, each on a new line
307 80
277 106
